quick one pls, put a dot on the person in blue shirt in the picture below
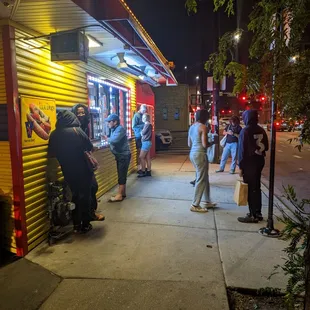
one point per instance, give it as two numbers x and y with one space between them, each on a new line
119 146
232 132
253 145
137 126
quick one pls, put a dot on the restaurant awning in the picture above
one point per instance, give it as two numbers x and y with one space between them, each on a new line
116 35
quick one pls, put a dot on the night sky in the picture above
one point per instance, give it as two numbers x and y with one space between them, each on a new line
185 40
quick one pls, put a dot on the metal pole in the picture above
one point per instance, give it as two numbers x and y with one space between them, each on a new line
270 231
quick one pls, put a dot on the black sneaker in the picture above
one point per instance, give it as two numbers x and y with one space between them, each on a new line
142 175
248 219
85 229
148 173
259 216
140 171
193 182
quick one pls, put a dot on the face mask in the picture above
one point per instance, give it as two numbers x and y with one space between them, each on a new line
83 121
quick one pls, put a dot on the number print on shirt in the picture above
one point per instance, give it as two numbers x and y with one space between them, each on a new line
260 144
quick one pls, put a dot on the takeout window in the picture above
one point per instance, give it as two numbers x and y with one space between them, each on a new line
107 98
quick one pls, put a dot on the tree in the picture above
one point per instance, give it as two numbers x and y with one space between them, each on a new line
277 27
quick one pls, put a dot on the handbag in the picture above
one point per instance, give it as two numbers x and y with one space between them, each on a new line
241 193
223 141
91 161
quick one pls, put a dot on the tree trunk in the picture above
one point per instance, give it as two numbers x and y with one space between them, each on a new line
307 274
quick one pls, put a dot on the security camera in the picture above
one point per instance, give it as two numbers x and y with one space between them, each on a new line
8 3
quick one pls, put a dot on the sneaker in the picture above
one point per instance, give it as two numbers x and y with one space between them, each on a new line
148 173
259 216
142 175
248 219
220 170
198 209
193 182
232 171
86 229
139 171
210 204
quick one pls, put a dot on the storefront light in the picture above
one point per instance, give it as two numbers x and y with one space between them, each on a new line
105 82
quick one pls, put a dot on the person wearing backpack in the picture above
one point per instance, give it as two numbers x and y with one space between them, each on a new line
231 132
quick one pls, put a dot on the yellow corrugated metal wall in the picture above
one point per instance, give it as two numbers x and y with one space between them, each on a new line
67 84
6 184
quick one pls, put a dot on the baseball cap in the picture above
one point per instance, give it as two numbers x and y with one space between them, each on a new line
112 118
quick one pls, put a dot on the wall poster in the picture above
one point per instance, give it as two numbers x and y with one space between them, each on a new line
38 120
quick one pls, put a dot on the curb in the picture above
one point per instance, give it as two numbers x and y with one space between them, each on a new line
277 195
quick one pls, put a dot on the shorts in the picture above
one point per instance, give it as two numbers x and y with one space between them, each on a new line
138 143
146 146
122 163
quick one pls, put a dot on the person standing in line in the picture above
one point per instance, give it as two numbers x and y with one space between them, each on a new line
137 126
253 145
145 154
120 148
198 142
208 125
231 148
67 143
82 113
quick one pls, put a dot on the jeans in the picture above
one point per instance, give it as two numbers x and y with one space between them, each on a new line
252 171
230 149
202 186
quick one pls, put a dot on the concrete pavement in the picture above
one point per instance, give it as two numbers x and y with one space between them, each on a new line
153 253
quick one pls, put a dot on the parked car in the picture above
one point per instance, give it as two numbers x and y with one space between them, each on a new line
287 124
163 139
299 126
280 126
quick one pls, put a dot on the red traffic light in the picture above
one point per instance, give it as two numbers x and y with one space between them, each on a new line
263 98
243 98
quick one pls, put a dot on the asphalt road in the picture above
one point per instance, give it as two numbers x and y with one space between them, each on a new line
292 167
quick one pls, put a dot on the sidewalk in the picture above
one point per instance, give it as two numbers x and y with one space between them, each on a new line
153 253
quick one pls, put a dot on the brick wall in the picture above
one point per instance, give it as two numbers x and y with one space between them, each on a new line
170 99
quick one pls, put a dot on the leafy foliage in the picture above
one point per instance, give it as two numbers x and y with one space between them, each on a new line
192 6
297 231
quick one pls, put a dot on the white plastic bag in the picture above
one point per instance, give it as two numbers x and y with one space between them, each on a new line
223 141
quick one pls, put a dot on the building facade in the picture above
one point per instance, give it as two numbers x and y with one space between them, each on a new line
31 80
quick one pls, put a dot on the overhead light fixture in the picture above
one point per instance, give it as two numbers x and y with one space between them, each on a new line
92 42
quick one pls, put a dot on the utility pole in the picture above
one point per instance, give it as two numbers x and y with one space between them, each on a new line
216 85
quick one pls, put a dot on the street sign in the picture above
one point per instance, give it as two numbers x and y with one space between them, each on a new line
210 83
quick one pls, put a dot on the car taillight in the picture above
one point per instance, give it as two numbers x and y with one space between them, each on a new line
277 124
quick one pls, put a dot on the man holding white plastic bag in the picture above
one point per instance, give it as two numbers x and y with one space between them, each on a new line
252 145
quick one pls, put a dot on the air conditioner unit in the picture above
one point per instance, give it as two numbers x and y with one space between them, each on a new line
69 46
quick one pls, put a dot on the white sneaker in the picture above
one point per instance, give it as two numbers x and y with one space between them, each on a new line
198 209
210 204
